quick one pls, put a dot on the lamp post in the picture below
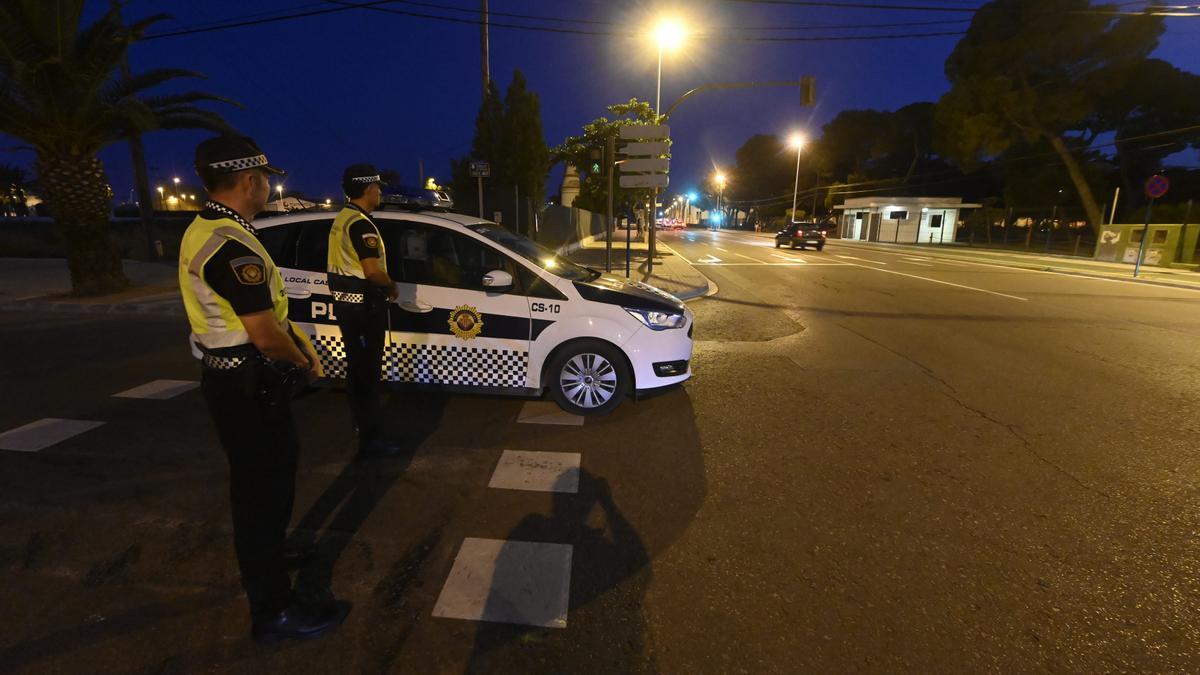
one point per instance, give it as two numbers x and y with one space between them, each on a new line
720 179
797 142
279 189
668 35
176 179
161 203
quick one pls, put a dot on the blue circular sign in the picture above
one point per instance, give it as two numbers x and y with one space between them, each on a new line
1157 186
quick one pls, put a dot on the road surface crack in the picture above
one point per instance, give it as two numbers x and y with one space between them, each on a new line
951 393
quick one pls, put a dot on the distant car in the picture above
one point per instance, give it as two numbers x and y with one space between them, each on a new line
407 197
801 235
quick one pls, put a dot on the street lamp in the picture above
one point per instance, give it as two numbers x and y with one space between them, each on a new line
161 205
669 35
176 179
279 189
719 177
796 141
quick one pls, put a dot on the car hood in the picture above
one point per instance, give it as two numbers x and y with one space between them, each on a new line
615 290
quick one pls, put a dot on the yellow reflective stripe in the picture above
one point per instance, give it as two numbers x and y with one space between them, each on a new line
343 258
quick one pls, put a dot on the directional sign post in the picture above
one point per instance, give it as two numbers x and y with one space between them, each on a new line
479 171
1156 187
645 167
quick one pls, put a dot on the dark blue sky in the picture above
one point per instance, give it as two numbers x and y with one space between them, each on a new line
325 91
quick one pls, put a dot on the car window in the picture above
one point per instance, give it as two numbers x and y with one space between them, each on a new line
280 242
312 246
419 253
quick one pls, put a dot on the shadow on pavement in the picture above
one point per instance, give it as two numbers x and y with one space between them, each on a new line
334 519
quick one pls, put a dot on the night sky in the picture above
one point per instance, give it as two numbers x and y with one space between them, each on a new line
325 91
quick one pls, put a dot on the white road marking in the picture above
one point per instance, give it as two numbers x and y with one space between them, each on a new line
537 471
789 257
850 257
750 258
939 281
547 412
159 390
44 433
708 260
519 582
719 248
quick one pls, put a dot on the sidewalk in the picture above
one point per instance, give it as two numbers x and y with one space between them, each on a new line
1086 267
45 284
671 273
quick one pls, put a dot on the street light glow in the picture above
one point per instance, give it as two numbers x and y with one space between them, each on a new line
669 34
279 189
176 179
720 178
797 140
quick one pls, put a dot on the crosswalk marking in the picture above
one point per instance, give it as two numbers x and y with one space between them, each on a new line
159 390
519 582
44 433
537 471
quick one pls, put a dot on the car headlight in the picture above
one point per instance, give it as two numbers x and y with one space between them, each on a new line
656 320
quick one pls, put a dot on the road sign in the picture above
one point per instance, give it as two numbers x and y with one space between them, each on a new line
650 131
646 149
481 170
1157 186
645 180
651 164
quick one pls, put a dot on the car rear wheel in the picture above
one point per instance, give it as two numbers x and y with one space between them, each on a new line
776 243
589 378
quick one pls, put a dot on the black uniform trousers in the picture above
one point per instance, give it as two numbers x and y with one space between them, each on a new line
251 408
363 326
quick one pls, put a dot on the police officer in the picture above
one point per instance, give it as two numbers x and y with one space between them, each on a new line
362 292
251 358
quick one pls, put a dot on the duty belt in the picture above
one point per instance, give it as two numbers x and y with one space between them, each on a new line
223 362
355 298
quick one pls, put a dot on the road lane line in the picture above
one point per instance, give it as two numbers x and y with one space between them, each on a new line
44 433
850 257
537 471
503 581
159 390
789 257
939 281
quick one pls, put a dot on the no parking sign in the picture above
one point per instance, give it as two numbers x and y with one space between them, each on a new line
1157 186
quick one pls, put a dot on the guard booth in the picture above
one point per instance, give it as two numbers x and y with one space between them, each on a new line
1168 245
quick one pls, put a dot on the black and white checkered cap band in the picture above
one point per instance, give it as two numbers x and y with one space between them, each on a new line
356 298
366 179
232 165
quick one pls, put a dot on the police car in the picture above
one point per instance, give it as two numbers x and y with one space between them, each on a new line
482 310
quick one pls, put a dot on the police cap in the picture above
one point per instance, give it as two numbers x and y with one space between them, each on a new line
230 154
362 175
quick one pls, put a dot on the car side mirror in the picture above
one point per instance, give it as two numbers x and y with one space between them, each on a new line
498 280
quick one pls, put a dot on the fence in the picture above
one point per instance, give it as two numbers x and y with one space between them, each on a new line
562 226
1053 230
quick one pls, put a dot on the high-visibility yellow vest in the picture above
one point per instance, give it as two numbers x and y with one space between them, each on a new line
343 259
214 323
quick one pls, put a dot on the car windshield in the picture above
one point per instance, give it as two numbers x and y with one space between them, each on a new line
536 253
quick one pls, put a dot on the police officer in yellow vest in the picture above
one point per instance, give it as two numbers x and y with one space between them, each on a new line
362 292
251 358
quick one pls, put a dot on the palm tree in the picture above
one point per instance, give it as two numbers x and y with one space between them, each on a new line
61 92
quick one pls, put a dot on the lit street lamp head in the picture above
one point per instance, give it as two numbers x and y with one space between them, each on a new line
719 178
797 140
669 35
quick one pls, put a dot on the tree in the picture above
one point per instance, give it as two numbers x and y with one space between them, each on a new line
764 170
60 92
586 151
526 161
1030 70
509 137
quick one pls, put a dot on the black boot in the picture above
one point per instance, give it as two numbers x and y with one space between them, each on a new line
299 622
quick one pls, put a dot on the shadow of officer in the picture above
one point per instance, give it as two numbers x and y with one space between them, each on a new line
610 566
350 499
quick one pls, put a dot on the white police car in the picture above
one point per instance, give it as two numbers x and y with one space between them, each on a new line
482 310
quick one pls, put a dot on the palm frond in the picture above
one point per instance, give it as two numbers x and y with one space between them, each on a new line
122 87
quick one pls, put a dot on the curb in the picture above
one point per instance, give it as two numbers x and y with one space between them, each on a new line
710 288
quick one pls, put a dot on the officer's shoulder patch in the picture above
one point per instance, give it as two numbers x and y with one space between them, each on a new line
249 270
371 240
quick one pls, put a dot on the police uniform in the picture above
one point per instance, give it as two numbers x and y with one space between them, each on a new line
224 272
361 307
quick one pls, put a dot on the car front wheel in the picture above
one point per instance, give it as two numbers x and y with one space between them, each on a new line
589 378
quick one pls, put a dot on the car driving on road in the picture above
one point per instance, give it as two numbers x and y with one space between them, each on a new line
484 310
801 235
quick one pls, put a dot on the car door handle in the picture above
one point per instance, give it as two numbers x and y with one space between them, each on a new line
416 307
299 293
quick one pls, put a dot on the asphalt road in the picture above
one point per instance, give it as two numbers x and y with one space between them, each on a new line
884 462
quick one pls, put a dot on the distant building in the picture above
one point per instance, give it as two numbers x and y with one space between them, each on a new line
903 220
